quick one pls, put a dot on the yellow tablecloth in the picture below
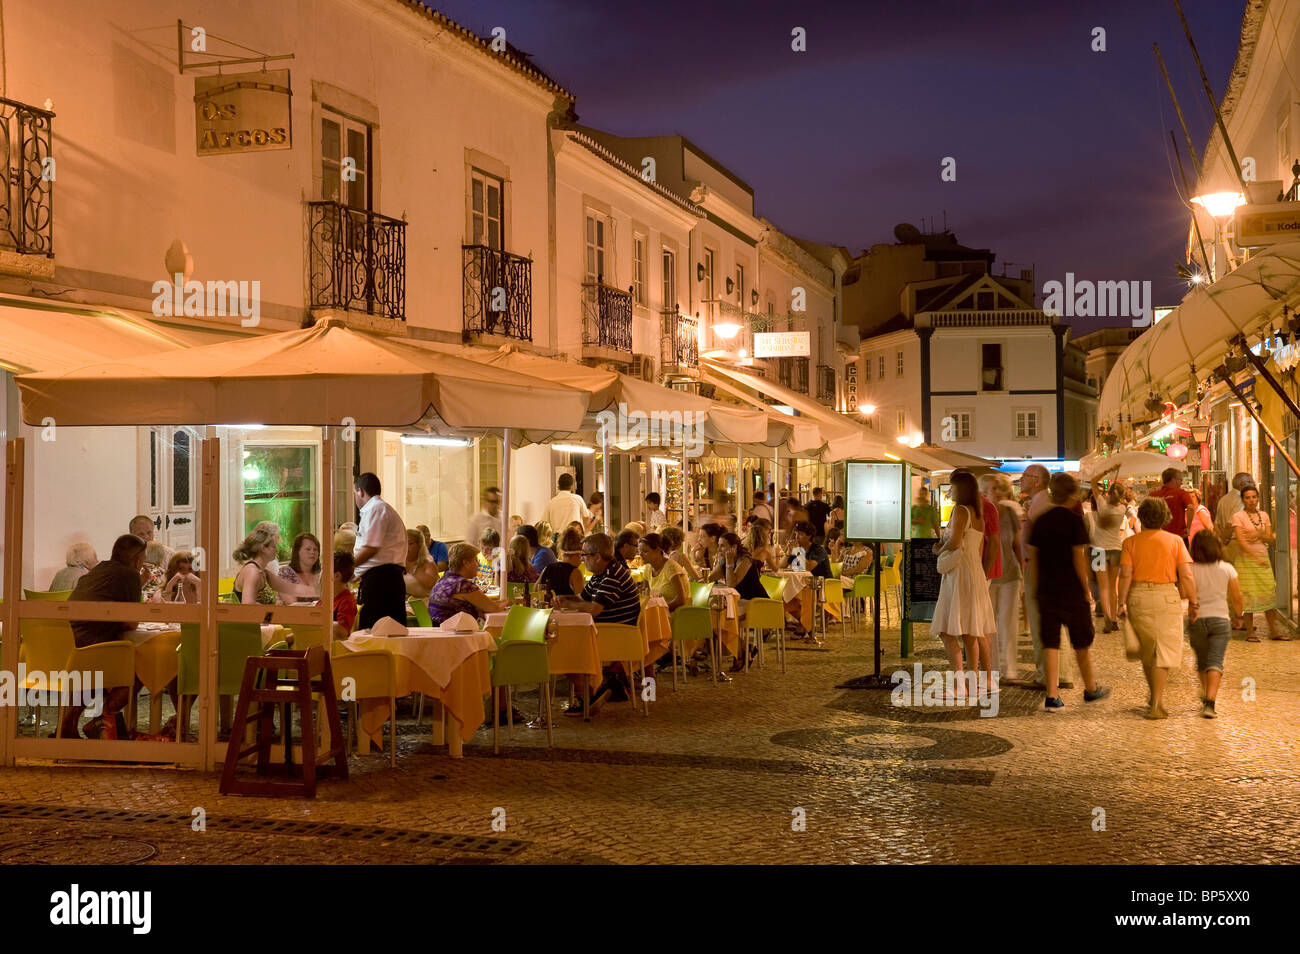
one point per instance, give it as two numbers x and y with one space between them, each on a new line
657 628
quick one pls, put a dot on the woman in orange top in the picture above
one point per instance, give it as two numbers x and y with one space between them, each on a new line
1155 575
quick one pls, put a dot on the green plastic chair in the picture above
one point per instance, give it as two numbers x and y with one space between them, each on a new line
760 616
837 568
864 588
55 596
775 587
700 594
521 660
236 642
692 623
420 609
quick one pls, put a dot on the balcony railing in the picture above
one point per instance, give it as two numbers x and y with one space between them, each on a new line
27 165
680 342
357 260
825 383
498 295
785 371
606 317
801 375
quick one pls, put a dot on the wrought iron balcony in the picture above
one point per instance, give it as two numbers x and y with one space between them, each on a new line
825 383
785 372
606 317
680 343
498 295
357 260
27 196
801 375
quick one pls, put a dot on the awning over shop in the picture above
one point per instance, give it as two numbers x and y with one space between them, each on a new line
326 375
57 337
1196 334
954 459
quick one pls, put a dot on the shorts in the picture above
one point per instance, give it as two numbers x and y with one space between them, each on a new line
1156 612
1077 619
1209 638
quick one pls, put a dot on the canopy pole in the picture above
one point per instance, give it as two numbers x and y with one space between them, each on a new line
505 508
1262 367
608 498
740 487
686 495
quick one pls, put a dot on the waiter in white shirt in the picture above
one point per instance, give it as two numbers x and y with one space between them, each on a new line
565 508
380 556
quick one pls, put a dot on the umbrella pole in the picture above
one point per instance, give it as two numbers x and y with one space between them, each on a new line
740 487
686 493
505 508
609 497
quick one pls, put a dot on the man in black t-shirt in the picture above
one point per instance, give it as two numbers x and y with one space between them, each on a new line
1058 574
115 580
818 512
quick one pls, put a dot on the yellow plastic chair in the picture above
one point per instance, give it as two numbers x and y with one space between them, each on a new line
47 646
115 659
837 569
833 595
55 596
618 642
305 637
374 676
700 594
760 616
775 586
890 577
226 586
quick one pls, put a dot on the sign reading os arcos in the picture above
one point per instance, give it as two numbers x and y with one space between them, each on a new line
242 112
782 344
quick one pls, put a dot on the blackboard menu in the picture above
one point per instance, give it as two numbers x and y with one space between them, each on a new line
923 577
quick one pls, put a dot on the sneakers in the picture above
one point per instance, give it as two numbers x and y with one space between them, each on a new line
1208 710
1052 703
1101 692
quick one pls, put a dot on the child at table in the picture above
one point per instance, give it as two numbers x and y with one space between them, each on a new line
345 604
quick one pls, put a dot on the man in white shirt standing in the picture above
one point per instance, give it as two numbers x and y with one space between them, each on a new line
564 508
489 516
380 556
656 519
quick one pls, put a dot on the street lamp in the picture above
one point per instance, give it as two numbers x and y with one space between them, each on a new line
866 410
1219 205
726 329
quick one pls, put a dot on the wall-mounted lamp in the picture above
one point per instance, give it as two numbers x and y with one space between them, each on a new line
731 286
699 271
753 297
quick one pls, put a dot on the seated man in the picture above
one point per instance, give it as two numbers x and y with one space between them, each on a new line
116 580
816 560
610 596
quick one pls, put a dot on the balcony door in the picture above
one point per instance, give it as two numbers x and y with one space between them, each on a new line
346 157
597 247
168 468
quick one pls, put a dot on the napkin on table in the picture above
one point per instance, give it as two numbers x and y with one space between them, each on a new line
389 627
460 623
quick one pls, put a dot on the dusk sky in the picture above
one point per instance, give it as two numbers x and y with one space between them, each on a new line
1063 156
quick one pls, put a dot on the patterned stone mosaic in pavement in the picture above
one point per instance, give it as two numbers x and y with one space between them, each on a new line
764 769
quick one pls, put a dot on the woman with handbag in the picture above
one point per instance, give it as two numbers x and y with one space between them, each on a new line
964 612
1252 532
1155 574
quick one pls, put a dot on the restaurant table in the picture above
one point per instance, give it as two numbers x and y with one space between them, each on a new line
726 621
656 627
156 661
451 668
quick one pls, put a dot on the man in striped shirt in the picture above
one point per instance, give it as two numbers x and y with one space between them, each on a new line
610 596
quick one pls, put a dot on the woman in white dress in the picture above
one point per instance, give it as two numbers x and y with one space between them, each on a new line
964 612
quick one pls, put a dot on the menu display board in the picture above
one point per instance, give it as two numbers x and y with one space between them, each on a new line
923 576
876 505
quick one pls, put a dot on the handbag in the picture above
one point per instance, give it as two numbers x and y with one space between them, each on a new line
948 560
1132 647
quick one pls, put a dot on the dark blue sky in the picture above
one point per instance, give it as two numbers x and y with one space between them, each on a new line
1063 155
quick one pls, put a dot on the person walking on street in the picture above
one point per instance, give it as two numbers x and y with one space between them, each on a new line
1004 592
1254 538
1033 482
379 555
818 512
1229 505
1182 506
1155 575
1058 560
489 516
1209 632
964 612
925 518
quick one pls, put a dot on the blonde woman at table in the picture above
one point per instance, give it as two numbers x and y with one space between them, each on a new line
758 541
674 539
667 578
253 584
421 572
458 590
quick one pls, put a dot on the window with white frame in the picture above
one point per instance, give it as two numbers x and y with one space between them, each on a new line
638 268
669 279
740 285
707 290
880 366
345 159
1026 424
595 246
901 418
958 425
487 210
898 364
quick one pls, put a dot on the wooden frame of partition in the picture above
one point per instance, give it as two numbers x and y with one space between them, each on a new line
208 614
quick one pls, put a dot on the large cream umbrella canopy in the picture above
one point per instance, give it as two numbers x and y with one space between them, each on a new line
328 374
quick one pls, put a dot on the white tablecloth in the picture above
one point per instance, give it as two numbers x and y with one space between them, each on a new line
732 595
795 581
432 651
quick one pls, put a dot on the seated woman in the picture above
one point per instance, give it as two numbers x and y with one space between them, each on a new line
858 559
80 559
835 544
154 572
520 568
458 590
673 539
758 541
667 578
421 571
737 569
304 562
564 576
183 583
253 584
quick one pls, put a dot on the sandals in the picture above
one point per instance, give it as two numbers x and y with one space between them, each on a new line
1281 639
1252 638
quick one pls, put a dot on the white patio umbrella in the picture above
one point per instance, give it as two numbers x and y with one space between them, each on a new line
1128 464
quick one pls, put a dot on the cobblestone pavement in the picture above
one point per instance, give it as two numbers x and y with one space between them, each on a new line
723 774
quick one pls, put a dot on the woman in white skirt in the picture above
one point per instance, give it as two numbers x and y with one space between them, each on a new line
964 612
